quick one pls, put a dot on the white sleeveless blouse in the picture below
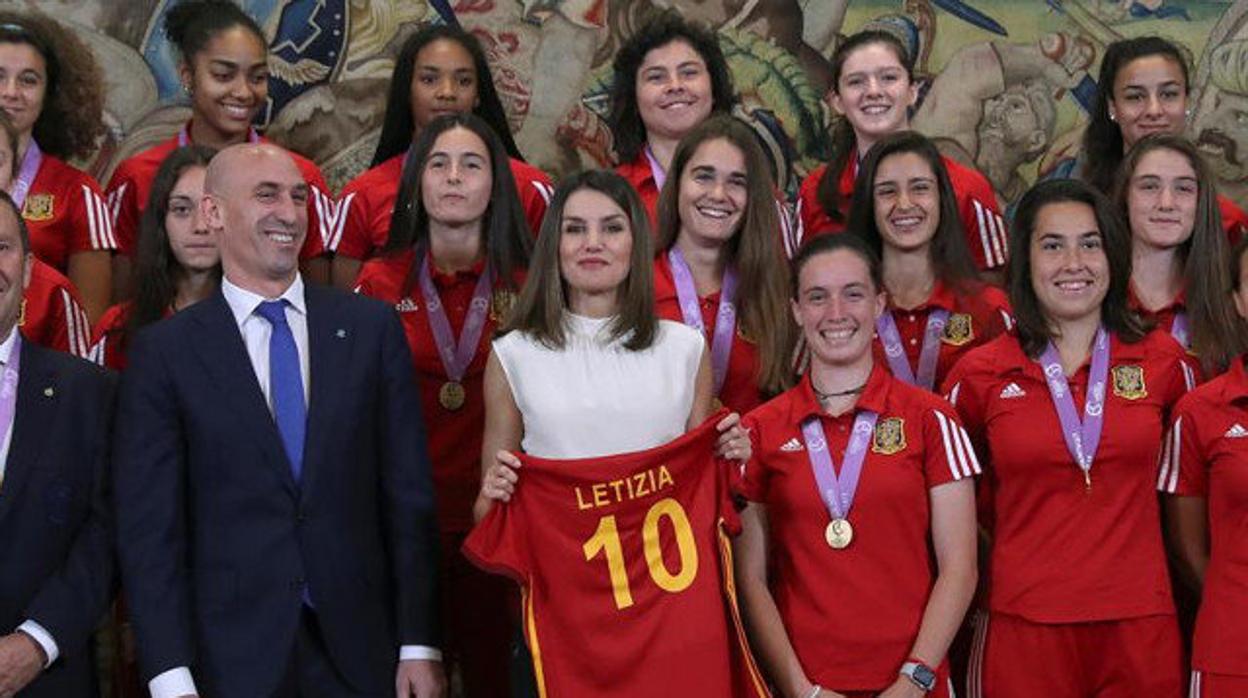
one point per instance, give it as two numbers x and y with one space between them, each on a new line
594 397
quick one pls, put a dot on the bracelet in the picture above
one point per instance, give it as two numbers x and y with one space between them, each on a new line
814 691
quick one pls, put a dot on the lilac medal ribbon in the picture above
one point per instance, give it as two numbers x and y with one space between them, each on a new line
1082 437
1178 330
886 327
8 383
184 138
456 357
838 492
656 170
26 176
691 311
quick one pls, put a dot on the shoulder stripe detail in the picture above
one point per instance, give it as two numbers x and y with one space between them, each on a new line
952 397
972 457
115 197
544 190
76 327
1008 320
340 224
786 226
797 231
1195 687
99 221
1168 467
1189 376
960 459
981 218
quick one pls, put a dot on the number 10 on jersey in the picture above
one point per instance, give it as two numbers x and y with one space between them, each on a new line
606 540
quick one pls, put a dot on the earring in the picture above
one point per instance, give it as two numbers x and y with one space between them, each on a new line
1113 117
186 88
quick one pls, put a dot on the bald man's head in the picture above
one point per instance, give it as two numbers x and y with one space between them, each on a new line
256 199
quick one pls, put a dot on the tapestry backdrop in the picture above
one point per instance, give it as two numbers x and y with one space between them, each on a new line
1005 83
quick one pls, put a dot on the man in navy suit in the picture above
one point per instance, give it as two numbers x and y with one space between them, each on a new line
274 502
56 559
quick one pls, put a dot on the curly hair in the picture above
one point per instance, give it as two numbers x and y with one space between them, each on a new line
72 119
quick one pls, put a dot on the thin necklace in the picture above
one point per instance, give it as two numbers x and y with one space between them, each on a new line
823 397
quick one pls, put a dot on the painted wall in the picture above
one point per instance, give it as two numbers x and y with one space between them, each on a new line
1005 82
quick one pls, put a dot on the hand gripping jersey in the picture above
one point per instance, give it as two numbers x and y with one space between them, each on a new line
626 572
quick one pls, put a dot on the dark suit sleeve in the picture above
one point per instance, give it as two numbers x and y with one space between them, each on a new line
71 602
408 492
149 480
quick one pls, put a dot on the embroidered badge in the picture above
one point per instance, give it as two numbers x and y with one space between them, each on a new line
890 436
1129 382
958 330
39 207
501 305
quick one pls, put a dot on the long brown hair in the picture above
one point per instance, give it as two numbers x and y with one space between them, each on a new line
754 249
540 310
1033 328
1216 331
843 139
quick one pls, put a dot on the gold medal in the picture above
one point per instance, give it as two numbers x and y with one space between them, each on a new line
451 395
716 404
839 534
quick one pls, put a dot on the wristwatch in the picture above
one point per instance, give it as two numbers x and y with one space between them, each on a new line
920 674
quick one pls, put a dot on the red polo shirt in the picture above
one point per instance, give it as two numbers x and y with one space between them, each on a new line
853 614
106 346
984 227
638 174
131 186
740 392
454 435
974 319
1206 455
367 203
1062 553
52 314
65 214
1234 219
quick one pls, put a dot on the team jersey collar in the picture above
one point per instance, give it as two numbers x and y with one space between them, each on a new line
874 396
665 284
1177 305
1236 387
445 280
942 296
1012 359
637 171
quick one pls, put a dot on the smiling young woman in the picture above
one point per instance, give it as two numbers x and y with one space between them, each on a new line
225 75
873 91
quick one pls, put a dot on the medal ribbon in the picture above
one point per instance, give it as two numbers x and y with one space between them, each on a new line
26 176
1178 330
8 384
1082 437
929 353
656 170
456 357
184 137
838 492
691 311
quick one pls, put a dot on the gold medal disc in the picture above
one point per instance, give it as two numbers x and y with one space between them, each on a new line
839 534
451 395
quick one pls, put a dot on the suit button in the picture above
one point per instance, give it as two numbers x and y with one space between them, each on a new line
300 517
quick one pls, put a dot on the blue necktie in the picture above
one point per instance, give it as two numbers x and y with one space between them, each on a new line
286 384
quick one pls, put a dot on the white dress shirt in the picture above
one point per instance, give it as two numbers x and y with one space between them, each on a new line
256 332
30 627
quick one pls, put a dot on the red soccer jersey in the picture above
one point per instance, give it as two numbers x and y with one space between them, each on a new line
65 214
639 175
853 614
454 435
624 563
1062 553
1234 219
974 319
740 392
367 203
52 313
131 186
107 343
1206 455
986 236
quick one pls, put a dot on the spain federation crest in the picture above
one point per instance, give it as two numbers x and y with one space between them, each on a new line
958 330
501 305
1129 382
890 436
39 207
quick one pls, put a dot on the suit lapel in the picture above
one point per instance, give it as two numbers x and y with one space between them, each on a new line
329 348
224 357
38 397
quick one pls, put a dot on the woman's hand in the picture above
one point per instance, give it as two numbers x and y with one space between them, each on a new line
734 439
500 479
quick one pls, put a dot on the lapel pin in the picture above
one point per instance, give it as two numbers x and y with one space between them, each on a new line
49 391
341 334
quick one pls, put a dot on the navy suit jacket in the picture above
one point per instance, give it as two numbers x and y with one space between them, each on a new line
217 540
56 555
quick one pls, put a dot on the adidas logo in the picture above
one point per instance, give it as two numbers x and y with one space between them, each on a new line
795 445
1236 432
1011 391
407 305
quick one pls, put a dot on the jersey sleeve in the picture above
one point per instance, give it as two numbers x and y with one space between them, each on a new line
982 222
1182 467
948 453
753 482
496 544
322 215
535 194
806 210
354 239
123 208
89 218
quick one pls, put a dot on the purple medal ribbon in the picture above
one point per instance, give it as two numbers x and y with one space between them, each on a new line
886 327
184 138
26 176
1178 330
691 311
838 492
456 357
1082 437
8 383
656 170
